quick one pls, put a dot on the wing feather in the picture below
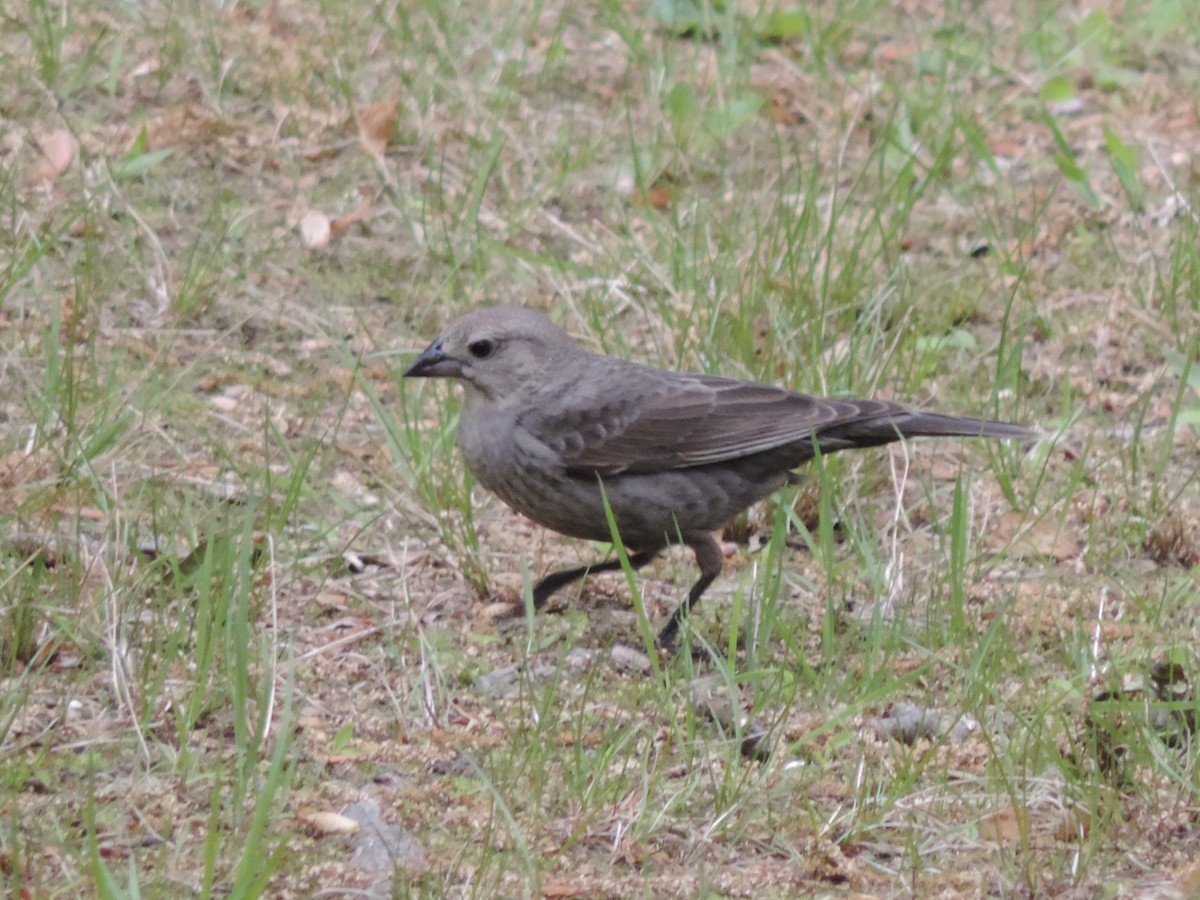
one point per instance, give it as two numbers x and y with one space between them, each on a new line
654 423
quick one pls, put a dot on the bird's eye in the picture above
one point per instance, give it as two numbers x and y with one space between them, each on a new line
482 349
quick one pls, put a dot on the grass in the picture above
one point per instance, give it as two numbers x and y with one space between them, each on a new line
245 585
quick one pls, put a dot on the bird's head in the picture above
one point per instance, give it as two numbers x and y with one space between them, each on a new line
503 352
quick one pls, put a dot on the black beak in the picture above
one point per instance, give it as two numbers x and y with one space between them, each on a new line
433 363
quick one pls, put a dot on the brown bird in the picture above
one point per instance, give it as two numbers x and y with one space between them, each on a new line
546 425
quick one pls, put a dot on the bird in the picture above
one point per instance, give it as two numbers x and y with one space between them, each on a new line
557 431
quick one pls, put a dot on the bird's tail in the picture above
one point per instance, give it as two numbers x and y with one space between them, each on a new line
923 424
906 423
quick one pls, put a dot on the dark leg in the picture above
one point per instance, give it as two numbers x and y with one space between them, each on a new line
710 559
544 589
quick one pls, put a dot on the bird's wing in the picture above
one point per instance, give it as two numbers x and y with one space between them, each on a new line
653 421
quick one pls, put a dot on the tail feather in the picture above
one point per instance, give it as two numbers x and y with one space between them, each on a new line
913 423
923 424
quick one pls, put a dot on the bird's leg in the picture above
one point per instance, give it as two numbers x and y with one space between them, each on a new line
547 587
710 559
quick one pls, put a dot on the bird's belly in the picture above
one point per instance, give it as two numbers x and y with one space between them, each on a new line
651 510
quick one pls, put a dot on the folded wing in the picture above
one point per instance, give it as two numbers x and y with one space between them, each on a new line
653 424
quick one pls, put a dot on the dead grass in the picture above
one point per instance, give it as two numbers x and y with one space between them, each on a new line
244 585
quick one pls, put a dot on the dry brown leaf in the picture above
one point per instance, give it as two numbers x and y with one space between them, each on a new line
57 151
946 469
341 223
325 822
1006 147
892 51
1074 825
375 125
1108 630
658 197
20 468
1189 880
553 889
1017 538
316 229
781 110
1004 827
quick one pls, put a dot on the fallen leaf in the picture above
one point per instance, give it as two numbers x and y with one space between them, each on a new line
782 109
1004 827
20 467
324 822
341 223
375 126
946 469
1189 880
565 890
1006 147
1075 825
659 198
315 229
1012 535
892 51
58 151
